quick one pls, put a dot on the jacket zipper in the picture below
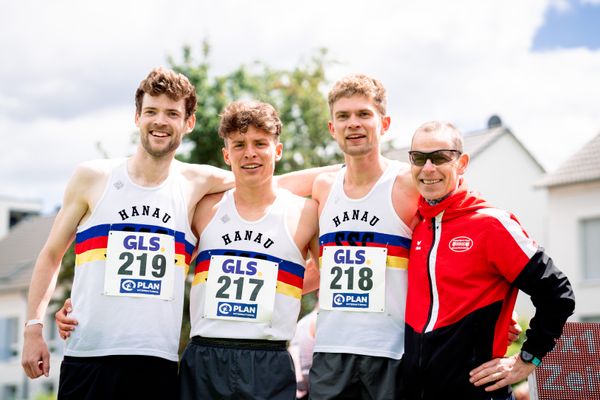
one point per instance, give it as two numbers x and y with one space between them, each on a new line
431 257
431 266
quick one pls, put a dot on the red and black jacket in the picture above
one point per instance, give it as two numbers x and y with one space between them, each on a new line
467 262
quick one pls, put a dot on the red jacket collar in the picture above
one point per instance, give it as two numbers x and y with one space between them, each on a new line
459 202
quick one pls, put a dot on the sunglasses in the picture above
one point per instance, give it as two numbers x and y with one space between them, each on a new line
438 157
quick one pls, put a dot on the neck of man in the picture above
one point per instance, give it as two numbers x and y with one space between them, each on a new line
362 172
433 202
253 202
146 170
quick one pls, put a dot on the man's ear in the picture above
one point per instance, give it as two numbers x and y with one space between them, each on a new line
278 151
331 128
385 123
190 123
226 155
463 162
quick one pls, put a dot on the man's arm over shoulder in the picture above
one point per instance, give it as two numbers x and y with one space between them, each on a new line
78 194
206 179
205 210
312 274
309 221
304 228
321 188
301 182
405 197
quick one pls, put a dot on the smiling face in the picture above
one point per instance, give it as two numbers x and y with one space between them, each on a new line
252 155
357 125
436 181
162 124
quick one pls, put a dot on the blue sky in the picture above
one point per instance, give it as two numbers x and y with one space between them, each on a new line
575 24
69 69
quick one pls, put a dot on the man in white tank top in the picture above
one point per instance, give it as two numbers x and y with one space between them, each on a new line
165 112
250 274
365 215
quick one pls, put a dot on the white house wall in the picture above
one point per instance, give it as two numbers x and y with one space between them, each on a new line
504 174
13 304
567 206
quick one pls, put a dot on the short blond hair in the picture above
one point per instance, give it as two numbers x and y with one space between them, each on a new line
359 84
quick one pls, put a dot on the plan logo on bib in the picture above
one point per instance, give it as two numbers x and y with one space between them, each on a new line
143 286
351 300
238 310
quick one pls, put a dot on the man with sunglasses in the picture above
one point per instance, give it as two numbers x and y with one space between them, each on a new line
366 208
467 262
365 214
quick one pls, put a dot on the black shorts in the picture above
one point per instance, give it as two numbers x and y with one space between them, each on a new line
117 377
352 376
236 369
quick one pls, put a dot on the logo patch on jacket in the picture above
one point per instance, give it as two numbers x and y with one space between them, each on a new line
460 244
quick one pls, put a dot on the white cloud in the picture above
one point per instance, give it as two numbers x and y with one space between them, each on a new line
561 5
72 68
43 154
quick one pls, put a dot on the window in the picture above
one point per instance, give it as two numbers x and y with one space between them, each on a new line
9 392
17 216
9 338
591 318
590 234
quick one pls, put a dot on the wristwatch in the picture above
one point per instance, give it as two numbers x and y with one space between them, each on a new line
529 358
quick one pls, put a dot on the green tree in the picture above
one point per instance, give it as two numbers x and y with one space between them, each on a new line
297 94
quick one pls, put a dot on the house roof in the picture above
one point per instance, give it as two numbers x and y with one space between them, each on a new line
474 143
583 166
19 250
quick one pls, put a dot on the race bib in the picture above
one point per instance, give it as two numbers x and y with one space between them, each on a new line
240 289
140 264
353 278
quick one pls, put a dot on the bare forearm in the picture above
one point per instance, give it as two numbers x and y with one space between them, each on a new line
35 356
301 182
311 277
43 283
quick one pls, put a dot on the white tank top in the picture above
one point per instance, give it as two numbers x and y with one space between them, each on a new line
213 311
372 222
147 232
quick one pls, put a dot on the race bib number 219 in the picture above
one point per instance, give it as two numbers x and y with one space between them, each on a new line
140 264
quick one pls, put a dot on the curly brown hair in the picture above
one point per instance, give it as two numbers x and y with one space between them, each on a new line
239 115
166 81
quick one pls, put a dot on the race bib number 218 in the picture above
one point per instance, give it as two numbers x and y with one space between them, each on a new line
353 278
